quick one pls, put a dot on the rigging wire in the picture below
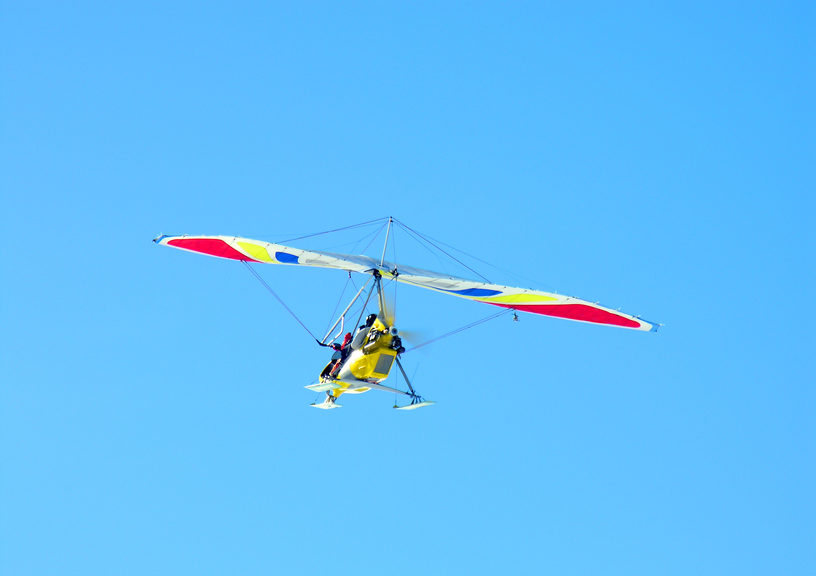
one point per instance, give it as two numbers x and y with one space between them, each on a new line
365 304
377 235
354 309
442 263
278 298
367 238
455 249
340 299
462 329
413 233
426 239
533 281
335 230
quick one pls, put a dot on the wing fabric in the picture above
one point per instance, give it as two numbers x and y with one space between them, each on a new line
533 301
248 250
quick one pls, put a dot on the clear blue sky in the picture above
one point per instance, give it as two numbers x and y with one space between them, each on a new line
659 159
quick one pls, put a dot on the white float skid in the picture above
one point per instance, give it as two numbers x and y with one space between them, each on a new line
351 387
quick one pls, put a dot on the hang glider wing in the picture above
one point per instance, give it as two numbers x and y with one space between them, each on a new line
523 300
248 250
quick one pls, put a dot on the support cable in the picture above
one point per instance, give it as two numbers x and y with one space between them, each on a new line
365 305
376 235
462 329
335 230
434 253
340 299
454 258
532 281
342 317
366 239
278 298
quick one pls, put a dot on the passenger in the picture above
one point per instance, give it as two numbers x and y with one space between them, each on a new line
343 349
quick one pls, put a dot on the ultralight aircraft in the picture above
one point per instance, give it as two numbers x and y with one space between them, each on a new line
370 349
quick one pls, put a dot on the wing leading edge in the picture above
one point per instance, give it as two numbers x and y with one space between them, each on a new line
524 300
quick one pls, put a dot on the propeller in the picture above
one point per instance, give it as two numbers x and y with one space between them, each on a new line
413 337
388 310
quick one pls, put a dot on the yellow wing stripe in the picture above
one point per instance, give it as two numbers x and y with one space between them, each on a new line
517 298
257 252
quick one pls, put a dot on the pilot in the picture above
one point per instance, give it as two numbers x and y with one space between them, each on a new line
362 332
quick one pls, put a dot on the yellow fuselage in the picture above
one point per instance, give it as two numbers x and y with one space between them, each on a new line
370 362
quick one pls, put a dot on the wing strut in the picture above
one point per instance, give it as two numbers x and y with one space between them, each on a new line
407 381
416 400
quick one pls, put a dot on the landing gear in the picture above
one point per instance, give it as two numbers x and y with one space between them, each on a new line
416 402
329 403
416 399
